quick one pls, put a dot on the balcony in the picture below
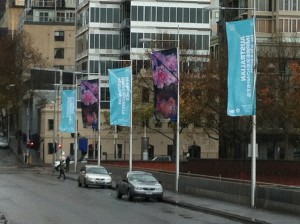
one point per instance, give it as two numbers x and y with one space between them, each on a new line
50 17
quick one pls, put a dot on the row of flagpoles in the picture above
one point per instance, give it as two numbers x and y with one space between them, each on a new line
166 82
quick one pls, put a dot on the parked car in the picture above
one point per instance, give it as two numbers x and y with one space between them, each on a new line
94 175
163 158
3 142
139 184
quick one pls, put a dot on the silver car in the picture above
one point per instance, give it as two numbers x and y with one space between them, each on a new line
94 175
139 184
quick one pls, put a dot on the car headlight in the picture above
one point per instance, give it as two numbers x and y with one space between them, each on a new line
137 188
90 178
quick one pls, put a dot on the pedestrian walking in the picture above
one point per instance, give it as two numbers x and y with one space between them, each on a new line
61 170
67 163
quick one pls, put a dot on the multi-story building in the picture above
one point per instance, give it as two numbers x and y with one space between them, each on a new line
108 34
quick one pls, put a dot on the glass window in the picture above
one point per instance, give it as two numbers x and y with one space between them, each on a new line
50 124
186 15
93 19
50 148
147 13
192 42
102 68
140 44
59 35
97 41
116 42
205 16
105 93
134 13
153 13
102 41
173 14
205 42
110 15
199 42
109 41
193 16
166 14
141 13
92 41
58 53
103 15
116 18
159 14
97 19
179 15
133 40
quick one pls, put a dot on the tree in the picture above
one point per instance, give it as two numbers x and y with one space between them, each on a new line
17 56
278 92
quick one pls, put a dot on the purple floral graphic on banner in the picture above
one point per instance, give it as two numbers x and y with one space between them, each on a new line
165 79
89 102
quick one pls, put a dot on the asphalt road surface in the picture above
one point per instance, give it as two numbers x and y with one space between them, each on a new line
31 196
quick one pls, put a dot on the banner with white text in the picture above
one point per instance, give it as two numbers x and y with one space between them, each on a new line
241 62
120 96
69 107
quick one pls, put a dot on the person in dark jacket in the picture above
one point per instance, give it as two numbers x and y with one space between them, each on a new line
67 164
61 170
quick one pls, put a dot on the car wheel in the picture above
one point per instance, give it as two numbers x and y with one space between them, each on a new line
119 195
85 184
129 195
159 199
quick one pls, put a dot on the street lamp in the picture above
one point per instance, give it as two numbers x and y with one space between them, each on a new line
8 115
178 100
253 136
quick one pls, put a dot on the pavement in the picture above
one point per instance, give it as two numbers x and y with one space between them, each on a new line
235 212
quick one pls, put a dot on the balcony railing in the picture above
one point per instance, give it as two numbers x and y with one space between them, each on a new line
53 4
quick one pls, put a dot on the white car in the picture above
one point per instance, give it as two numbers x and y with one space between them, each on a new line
94 175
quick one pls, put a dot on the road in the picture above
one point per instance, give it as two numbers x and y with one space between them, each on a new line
29 195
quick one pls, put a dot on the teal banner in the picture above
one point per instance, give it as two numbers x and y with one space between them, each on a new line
241 68
69 107
120 96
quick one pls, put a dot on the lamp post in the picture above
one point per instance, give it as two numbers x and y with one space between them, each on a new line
253 135
8 115
178 100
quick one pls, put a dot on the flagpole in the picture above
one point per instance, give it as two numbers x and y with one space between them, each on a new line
76 129
253 167
130 139
178 116
99 116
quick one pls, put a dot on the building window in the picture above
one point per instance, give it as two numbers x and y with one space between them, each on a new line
50 148
58 53
44 16
50 124
59 35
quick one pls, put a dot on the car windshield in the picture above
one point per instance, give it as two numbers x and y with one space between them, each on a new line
142 178
96 170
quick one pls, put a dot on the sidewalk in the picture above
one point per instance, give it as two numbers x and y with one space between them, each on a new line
228 210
